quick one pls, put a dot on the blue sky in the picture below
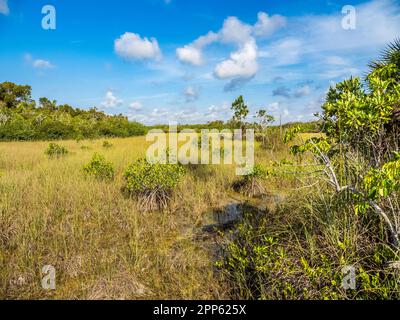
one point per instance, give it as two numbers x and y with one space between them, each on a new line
187 60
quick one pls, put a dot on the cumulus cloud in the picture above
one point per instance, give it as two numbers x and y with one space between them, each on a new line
4 7
38 63
132 47
236 32
192 53
111 101
267 25
241 64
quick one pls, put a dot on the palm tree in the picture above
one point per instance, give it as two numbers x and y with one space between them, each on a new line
390 55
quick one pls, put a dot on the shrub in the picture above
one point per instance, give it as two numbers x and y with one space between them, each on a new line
250 184
56 151
154 184
107 144
99 168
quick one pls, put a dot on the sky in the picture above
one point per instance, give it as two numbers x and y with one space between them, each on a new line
185 61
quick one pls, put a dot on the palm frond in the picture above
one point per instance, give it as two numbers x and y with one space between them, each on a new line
390 55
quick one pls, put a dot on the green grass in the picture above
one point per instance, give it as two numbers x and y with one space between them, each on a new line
104 247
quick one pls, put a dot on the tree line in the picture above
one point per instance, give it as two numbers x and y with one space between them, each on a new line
22 118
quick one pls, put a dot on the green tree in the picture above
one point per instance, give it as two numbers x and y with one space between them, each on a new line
263 120
48 105
360 146
12 94
240 112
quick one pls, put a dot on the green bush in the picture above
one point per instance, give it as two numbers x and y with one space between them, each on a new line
107 145
99 168
56 151
152 183
250 184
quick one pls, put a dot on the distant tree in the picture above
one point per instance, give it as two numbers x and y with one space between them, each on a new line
240 112
12 94
46 104
21 119
217 124
263 121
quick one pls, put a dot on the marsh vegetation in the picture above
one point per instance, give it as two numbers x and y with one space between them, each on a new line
115 226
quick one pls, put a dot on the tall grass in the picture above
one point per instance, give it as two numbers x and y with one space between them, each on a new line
99 243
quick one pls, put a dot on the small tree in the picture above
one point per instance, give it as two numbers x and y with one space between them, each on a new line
360 146
152 183
99 168
240 112
251 183
263 121
55 151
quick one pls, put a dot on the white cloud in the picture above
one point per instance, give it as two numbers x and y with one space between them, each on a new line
378 22
110 101
205 40
136 105
339 72
131 46
38 63
233 31
42 64
267 25
284 52
190 54
190 93
336 61
4 7
218 112
241 64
